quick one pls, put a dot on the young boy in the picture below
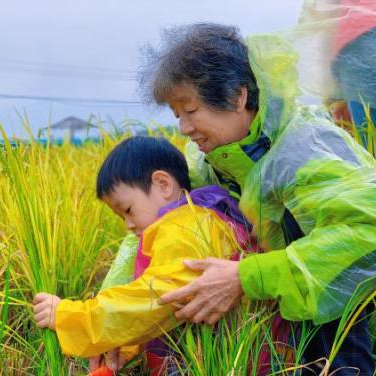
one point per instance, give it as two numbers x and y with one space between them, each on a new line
143 181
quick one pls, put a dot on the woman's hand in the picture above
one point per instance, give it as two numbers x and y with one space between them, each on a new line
213 294
45 306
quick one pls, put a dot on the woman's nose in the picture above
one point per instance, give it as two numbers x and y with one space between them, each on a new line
186 127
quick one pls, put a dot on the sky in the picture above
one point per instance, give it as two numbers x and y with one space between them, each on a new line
80 57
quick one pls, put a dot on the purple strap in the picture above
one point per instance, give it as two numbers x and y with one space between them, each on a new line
211 197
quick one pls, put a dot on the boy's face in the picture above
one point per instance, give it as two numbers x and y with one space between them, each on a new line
206 127
137 208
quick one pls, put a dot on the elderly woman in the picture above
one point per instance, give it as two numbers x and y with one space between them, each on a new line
309 190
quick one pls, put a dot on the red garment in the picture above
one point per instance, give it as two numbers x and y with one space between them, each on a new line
156 364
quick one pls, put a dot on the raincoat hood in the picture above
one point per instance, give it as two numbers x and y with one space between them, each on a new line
273 61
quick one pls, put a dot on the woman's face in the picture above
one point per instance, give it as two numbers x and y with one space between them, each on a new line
206 127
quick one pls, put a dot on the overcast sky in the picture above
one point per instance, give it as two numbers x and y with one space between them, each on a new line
68 53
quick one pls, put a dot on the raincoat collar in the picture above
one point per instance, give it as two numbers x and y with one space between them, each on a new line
210 197
234 161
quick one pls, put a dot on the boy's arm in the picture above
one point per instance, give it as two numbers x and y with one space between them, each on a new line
129 314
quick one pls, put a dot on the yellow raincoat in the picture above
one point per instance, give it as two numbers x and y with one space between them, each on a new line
129 314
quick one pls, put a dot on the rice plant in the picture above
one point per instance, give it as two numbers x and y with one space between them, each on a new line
58 238
55 236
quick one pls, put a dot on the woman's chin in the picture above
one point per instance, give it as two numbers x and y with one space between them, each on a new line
205 147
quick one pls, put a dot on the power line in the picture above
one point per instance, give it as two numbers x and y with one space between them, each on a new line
70 74
72 100
66 66
67 71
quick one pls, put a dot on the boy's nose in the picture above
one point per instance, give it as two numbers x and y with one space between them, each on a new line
129 225
186 127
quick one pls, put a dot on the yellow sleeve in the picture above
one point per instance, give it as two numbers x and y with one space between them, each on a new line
129 314
129 352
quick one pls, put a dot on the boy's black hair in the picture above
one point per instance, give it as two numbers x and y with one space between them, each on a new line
134 160
212 58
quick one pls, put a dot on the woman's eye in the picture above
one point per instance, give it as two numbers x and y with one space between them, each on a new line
176 114
191 111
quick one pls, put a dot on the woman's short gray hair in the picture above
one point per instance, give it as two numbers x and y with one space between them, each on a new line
212 58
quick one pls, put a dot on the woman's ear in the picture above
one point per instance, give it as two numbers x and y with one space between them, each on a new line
164 182
242 99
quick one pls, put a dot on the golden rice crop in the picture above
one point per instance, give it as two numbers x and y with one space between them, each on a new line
55 236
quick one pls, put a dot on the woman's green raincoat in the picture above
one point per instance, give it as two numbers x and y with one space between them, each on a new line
309 190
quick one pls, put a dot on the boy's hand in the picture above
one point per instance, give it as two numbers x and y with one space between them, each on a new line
45 306
112 359
95 362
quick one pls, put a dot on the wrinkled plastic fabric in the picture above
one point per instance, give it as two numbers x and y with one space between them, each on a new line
120 273
122 268
92 327
200 174
321 176
336 44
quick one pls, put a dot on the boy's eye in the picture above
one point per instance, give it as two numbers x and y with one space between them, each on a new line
127 211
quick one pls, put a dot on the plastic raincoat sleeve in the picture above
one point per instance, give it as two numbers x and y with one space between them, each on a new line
129 314
315 276
200 173
121 272
122 268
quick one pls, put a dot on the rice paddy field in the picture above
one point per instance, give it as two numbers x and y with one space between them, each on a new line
55 236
